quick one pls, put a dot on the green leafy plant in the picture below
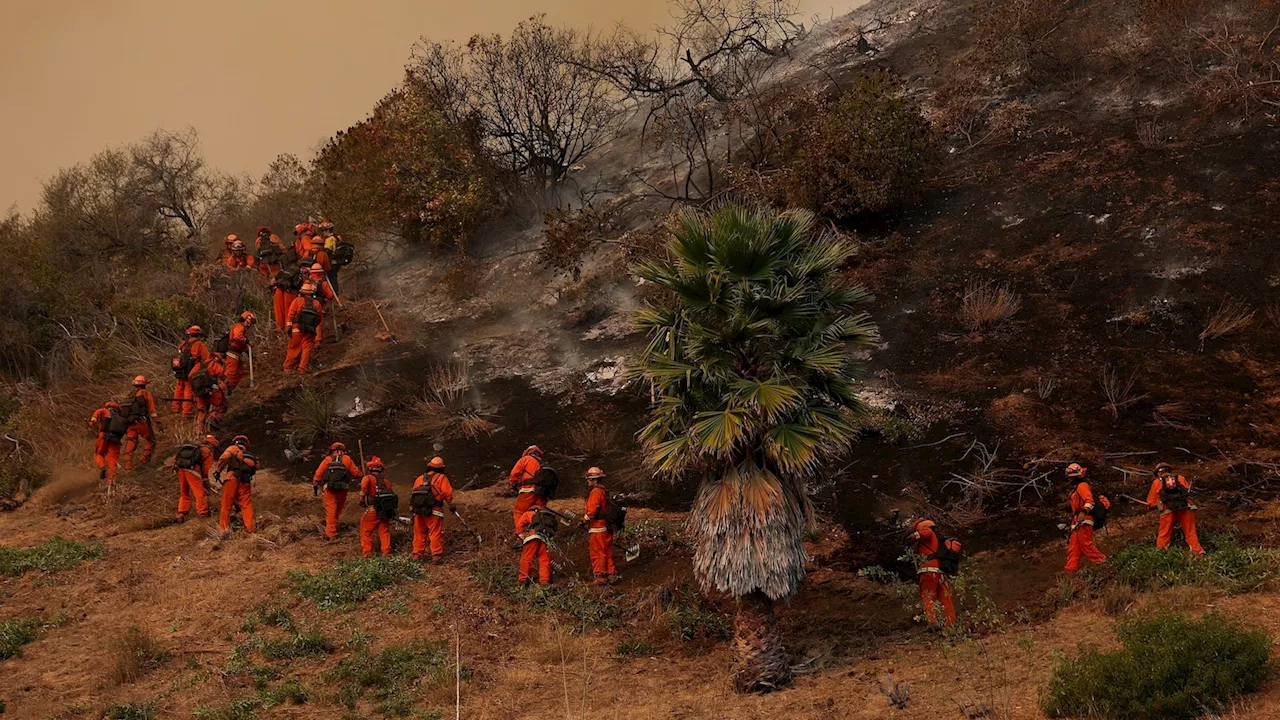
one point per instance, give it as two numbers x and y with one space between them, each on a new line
299 644
1170 667
393 678
1229 567
16 633
245 708
749 360
130 711
351 581
52 556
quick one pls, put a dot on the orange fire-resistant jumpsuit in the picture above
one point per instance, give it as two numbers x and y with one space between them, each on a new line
301 344
235 492
521 480
270 255
281 298
237 357
213 407
141 428
301 242
184 401
191 484
369 523
238 260
934 586
599 539
534 549
106 454
1081 543
1185 519
334 500
429 529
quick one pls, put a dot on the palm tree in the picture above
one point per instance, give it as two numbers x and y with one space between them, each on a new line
749 359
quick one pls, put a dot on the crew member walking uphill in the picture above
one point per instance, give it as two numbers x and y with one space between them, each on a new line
111 424
337 472
192 354
1083 510
306 316
599 535
432 491
238 349
521 480
373 490
194 464
237 488
143 422
1169 493
934 586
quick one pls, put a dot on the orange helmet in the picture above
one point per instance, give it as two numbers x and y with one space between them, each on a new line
249 317
211 441
1075 470
112 405
231 238
240 440
326 225
307 289
375 464
922 524
140 381
297 229
533 450
595 473
238 246
194 330
437 463
337 446
317 269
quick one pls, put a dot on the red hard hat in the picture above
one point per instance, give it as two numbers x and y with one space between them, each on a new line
437 463
240 440
140 380
194 330
922 524
337 446
264 230
375 464
113 405
533 450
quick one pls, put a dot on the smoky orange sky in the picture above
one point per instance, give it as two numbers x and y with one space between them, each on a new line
256 78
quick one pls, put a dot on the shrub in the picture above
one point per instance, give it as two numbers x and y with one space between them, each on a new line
290 692
303 643
238 709
351 581
134 654
870 153
268 616
130 711
986 304
1169 667
497 575
51 556
313 417
635 648
1229 567
392 677
16 633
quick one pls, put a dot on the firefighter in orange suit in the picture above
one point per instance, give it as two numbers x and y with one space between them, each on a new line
237 487
428 529
337 472
1082 509
192 480
521 481
1169 494
934 586
599 537
370 523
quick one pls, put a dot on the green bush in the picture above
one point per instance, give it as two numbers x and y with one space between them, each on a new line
1230 567
16 633
391 678
238 709
290 692
870 153
305 643
1171 667
351 581
130 711
51 556
267 616
579 603
166 318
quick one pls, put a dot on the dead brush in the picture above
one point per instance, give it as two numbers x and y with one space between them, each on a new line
1231 317
133 654
1117 391
313 418
594 438
1152 134
987 304
1273 314
449 406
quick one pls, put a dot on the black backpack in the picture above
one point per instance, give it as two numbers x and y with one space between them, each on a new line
246 466
269 253
307 319
343 254
117 426
336 477
386 505
224 343
1100 511
1174 498
545 482
545 523
184 362
138 409
202 383
423 500
615 515
188 457
948 559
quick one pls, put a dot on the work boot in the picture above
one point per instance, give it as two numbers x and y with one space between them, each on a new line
102 474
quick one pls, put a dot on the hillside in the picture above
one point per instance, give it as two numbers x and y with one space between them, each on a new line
1085 276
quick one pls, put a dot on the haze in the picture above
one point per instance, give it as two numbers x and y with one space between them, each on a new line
255 78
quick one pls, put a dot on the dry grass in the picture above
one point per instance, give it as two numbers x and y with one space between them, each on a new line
1273 314
1152 134
987 304
313 418
1118 392
1044 387
450 406
594 438
1231 317
132 655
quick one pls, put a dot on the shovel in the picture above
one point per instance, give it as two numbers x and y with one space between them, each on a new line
479 539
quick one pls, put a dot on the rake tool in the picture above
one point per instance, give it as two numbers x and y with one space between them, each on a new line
477 536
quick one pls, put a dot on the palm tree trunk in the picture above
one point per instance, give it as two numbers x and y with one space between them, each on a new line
761 664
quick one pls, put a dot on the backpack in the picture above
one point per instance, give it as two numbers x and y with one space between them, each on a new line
1174 498
245 468
291 281
224 343
1101 509
184 362
289 256
188 457
423 500
343 254
386 504
138 408
202 383
545 482
948 557
336 477
307 319
615 515
269 253
117 427
545 523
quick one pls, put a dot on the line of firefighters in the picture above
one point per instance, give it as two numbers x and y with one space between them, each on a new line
1169 493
